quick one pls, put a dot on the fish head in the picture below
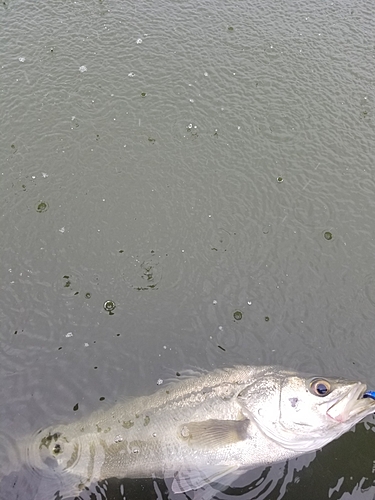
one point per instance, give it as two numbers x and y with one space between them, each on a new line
303 412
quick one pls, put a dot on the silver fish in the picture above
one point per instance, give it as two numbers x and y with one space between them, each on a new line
199 430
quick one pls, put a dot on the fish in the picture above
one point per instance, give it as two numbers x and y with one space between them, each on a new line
201 430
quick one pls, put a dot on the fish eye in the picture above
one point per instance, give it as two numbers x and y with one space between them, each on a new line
320 387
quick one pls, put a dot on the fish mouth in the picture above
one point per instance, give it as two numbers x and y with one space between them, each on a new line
352 406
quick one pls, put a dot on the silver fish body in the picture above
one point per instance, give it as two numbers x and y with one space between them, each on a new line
200 429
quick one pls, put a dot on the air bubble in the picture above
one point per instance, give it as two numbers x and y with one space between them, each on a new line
237 315
328 235
42 206
109 305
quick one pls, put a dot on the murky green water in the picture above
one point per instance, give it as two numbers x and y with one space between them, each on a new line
186 184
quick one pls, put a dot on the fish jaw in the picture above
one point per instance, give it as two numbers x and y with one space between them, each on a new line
352 406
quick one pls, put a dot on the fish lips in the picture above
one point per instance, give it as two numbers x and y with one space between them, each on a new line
352 406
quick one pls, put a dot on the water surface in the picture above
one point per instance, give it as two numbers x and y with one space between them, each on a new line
207 167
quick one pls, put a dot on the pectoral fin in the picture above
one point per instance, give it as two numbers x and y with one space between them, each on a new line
191 478
214 433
